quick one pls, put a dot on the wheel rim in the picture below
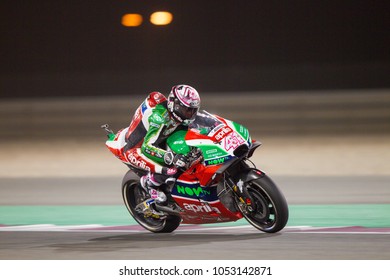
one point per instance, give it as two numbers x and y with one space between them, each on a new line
264 214
134 196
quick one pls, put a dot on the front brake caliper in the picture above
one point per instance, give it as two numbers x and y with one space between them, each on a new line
245 203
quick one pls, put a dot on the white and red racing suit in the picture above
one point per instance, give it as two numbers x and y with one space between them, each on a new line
146 138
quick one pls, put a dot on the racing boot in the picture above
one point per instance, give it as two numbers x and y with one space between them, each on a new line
151 188
154 196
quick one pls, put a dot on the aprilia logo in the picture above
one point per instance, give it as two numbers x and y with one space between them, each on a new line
201 208
222 133
140 163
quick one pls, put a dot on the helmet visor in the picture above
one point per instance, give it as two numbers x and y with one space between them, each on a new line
185 112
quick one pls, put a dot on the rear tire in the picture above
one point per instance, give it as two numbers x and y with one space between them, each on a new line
270 206
132 196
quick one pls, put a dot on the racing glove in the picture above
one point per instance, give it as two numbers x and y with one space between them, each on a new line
180 161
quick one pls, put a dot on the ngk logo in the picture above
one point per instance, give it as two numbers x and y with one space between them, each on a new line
222 133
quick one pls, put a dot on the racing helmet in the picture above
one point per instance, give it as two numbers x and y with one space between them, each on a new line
183 103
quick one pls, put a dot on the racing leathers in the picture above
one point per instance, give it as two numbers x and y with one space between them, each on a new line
146 140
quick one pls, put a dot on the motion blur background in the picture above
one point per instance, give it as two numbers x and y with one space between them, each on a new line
284 69
80 48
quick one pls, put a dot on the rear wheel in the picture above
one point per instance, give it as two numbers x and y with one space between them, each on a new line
269 210
132 196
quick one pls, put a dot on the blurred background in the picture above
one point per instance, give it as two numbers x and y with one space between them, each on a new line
296 72
82 48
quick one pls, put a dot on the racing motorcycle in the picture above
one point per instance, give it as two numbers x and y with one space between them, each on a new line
221 184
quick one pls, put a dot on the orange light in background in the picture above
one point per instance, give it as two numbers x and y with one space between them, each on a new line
131 20
161 18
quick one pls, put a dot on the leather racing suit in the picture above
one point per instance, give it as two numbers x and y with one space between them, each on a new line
146 138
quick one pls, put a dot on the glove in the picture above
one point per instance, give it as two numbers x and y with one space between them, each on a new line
196 153
180 161
195 157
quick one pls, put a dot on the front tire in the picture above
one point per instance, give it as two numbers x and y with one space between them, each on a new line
132 196
270 210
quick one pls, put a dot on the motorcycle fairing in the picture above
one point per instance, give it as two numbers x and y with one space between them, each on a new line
201 204
117 144
202 212
193 190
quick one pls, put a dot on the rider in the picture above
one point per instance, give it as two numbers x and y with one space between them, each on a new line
154 120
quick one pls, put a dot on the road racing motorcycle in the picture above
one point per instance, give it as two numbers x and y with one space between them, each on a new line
220 185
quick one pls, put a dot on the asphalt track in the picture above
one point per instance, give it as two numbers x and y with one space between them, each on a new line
331 217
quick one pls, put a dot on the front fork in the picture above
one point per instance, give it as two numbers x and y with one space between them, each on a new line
243 198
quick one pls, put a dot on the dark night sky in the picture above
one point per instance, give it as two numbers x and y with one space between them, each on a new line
80 47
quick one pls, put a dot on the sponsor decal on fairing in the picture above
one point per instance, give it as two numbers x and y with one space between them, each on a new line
195 191
222 133
216 161
137 162
232 141
205 208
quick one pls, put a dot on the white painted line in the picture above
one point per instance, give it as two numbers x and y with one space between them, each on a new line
47 227
184 230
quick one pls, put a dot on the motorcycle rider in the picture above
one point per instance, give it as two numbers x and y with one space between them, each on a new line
154 120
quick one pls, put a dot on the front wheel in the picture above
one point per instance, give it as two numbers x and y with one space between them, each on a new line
269 210
132 196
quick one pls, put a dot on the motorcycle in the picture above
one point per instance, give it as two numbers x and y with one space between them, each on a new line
221 185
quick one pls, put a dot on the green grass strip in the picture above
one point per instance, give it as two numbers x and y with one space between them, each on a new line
366 215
